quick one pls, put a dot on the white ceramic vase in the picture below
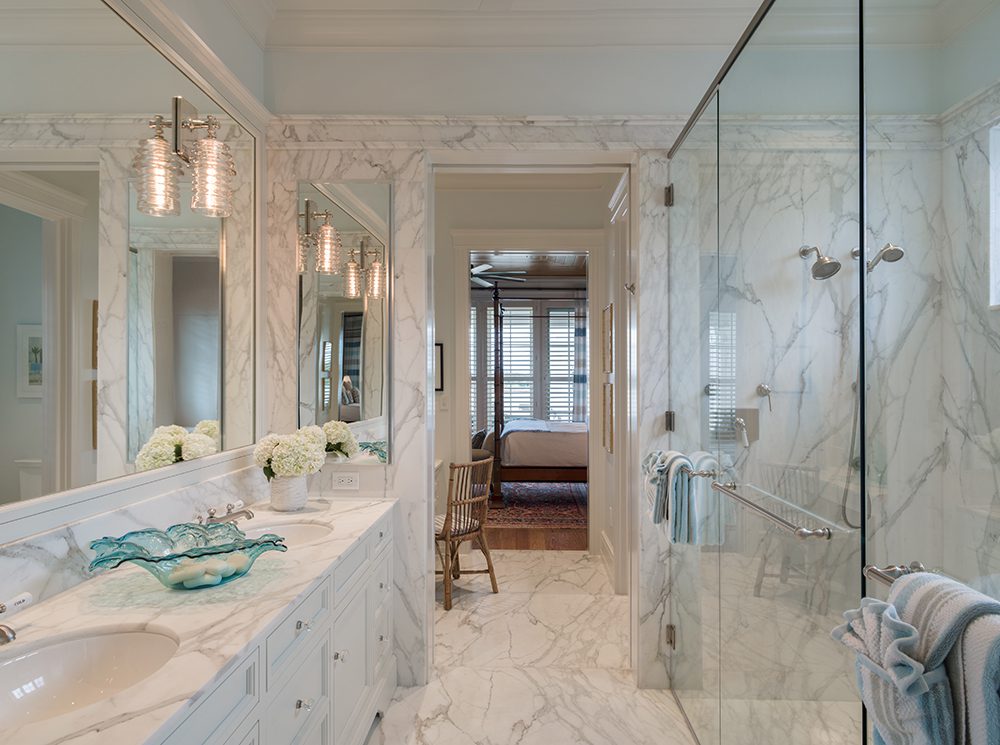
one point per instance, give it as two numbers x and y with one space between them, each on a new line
289 493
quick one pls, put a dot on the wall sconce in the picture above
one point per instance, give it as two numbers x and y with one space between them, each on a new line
158 165
352 278
371 278
326 239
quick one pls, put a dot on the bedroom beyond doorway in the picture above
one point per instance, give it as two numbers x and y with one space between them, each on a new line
530 263
529 394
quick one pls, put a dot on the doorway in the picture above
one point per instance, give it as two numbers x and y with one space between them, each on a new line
566 230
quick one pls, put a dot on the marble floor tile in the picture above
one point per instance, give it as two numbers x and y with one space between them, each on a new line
543 662
549 572
535 629
532 706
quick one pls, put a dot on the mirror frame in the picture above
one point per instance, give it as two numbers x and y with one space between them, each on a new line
387 237
167 35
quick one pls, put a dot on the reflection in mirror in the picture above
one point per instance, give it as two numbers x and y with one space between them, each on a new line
344 309
116 322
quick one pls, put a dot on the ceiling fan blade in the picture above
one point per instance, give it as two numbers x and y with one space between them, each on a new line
510 279
481 268
480 282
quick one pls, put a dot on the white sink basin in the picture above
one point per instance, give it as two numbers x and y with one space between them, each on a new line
295 532
58 676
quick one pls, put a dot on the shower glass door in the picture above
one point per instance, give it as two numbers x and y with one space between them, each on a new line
788 330
694 665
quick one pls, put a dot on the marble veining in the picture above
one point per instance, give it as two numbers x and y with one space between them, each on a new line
544 661
55 561
214 629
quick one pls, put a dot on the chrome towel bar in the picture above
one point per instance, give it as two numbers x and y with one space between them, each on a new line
890 574
797 530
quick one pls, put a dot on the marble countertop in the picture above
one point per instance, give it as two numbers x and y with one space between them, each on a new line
214 627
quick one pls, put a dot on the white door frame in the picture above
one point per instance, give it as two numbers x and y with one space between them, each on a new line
62 212
575 159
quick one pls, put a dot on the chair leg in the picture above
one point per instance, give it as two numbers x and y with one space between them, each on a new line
456 567
484 547
447 577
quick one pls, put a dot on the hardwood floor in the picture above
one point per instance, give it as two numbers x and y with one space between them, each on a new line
537 538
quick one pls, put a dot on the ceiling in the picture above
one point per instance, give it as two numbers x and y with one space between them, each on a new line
537 265
559 23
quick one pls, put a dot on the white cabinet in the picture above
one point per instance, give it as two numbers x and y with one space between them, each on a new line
320 676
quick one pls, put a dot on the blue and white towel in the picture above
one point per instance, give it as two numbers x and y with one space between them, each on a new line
670 493
915 664
710 506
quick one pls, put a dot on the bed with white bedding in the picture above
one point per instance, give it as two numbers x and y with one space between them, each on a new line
538 450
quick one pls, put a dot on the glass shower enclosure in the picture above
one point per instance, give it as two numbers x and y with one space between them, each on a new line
836 209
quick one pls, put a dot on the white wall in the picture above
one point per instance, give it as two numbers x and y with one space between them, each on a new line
20 302
490 209
508 82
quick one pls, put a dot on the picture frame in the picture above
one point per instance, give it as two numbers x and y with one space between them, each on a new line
438 367
327 356
30 371
608 339
608 418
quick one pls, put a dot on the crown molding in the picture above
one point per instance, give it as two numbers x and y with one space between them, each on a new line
38 197
698 25
255 16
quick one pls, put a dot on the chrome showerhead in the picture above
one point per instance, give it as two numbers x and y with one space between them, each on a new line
824 267
889 253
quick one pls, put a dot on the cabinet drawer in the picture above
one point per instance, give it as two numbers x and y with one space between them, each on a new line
350 663
305 693
224 708
382 640
297 631
246 735
349 569
380 583
382 534
318 733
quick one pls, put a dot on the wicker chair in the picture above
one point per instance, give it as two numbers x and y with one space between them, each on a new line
464 520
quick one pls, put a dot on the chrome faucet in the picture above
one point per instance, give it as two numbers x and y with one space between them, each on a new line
7 634
231 516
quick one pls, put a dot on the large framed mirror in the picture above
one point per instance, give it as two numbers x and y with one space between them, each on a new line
127 229
345 294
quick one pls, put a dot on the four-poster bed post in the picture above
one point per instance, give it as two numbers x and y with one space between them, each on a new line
497 488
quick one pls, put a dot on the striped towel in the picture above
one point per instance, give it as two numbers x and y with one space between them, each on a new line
680 494
667 490
709 505
654 484
902 648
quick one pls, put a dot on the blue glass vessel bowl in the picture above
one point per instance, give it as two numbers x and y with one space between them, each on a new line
187 556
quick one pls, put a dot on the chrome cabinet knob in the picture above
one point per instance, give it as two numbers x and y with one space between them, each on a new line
303 626
381 637
340 656
381 534
304 704
381 585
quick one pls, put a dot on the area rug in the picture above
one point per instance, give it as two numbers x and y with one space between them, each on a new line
541 504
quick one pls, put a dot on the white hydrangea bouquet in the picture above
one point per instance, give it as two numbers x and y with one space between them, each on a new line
172 444
339 438
286 461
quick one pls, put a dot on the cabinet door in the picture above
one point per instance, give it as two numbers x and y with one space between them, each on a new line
246 735
318 733
350 663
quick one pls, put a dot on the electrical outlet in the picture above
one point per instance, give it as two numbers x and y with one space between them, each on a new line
347 481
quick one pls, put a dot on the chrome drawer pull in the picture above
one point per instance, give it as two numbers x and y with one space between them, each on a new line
306 704
302 626
381 637
381 534
381 585
340 656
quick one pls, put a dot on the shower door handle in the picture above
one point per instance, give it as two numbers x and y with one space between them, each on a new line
798 531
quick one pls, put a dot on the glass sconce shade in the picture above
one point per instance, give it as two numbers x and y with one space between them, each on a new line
376 280
352 279
158 173
328 250
212 179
